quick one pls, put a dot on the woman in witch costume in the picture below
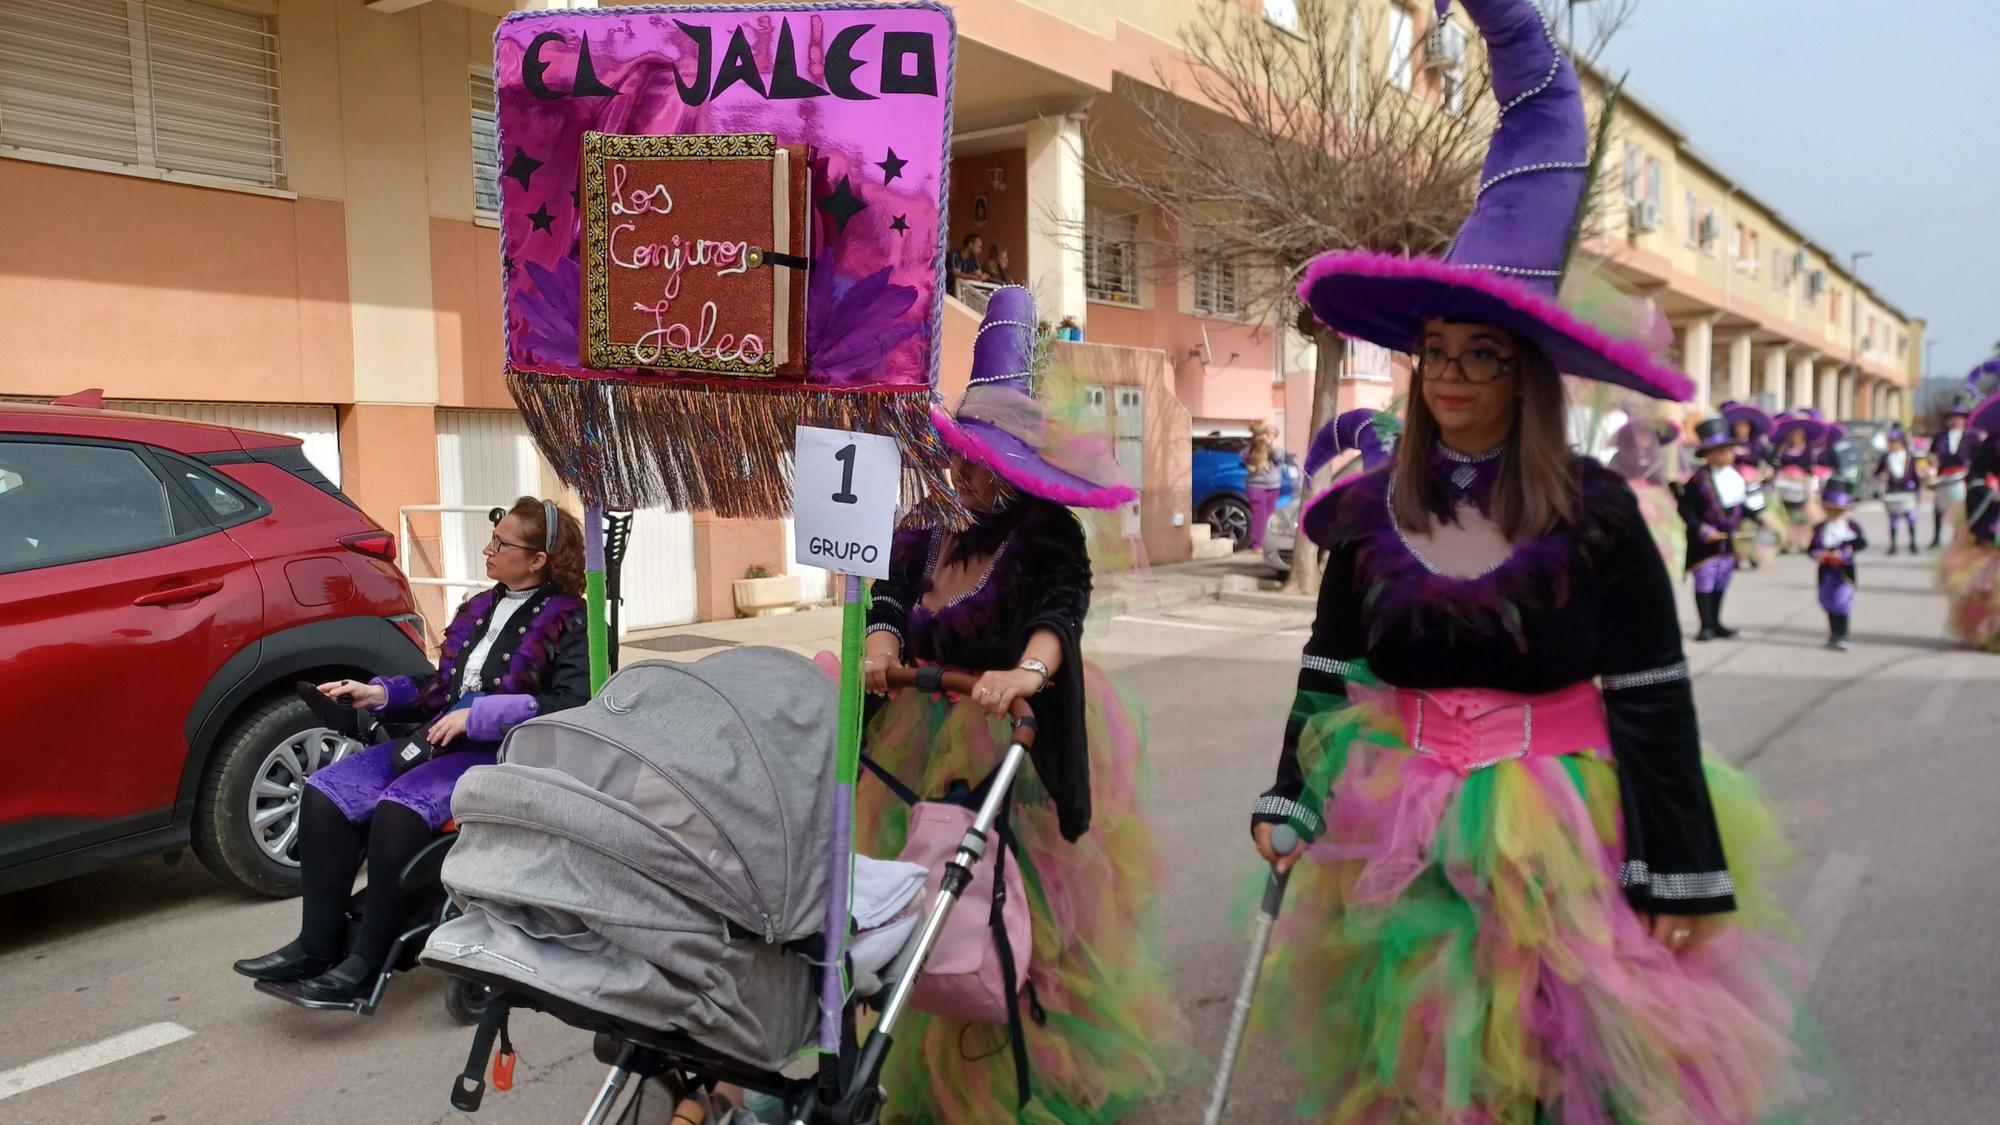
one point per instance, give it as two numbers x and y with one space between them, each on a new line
1007 597
1527 897
1951 461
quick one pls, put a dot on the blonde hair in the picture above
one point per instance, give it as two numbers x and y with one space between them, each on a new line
1538 486
1259 458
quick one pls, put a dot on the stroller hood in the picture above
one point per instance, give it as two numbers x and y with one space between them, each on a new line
726 764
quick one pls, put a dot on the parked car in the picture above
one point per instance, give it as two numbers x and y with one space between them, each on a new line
1867 440
1220 499
164 585
1282 533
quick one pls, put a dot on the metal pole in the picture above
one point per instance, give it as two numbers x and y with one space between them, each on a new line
1853 327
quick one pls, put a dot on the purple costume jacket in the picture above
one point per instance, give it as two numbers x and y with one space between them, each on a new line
543 666
1701 509
1837 579
1907 482
1948 459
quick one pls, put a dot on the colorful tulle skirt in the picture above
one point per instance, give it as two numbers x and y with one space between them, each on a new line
1111 1034
1968 572
1457 951
1663 520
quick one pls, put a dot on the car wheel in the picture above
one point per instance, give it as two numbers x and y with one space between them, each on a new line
246 819
1228 518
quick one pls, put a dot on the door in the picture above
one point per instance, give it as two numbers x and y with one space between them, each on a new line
813 581
119 601
1129 430
487 459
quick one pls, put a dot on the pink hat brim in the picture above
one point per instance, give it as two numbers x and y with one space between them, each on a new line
1017 463
1386 298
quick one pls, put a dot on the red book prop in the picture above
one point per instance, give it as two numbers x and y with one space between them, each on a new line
694 253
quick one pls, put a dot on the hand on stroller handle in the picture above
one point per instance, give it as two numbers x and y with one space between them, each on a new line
934 679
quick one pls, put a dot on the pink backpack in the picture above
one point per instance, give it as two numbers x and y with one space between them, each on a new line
980 965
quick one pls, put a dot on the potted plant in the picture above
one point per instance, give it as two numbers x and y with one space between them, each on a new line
759 592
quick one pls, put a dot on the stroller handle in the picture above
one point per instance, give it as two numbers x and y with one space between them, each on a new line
934 680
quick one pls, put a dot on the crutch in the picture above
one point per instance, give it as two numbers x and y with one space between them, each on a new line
1284 841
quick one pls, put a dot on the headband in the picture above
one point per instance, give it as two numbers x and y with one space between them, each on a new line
549 524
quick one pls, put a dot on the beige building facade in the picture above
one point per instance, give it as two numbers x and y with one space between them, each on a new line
280 212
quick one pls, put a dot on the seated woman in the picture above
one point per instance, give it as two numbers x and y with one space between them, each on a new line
514 652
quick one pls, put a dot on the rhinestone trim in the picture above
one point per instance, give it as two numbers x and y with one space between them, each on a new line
884 599
1689 885
885 627
1345 668
1270 804
1470 458
1626 680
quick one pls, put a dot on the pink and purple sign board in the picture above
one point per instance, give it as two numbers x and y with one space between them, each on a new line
655 350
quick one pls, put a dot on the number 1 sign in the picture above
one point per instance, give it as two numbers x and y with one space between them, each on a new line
844 497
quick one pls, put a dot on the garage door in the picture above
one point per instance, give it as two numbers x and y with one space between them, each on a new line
486 459
317 426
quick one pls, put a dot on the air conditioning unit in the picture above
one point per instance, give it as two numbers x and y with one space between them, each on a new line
1815 283
1799 262
1711 228
1645 216
1444 47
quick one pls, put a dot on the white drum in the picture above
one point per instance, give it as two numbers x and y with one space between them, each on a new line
1949 495
1794 489
1754 500
1899 503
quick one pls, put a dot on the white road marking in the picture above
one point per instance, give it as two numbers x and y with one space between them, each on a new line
104 1052
1827 900
1938 703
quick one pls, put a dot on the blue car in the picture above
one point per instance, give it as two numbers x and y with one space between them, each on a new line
1220 500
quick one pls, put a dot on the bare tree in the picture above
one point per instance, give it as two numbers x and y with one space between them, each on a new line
1271 145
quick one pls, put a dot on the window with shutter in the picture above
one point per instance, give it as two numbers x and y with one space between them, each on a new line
1215 290
1111 258
162 86
485 149
1401 46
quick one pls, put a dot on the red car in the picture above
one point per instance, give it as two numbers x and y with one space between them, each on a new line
163 587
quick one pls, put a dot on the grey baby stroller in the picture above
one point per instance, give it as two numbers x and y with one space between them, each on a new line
652 868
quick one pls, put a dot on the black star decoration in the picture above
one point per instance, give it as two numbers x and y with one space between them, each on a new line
542 219
521 167
891 167
507 266
900 225
841 204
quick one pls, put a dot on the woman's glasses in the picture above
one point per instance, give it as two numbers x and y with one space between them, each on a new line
496 545
1475 365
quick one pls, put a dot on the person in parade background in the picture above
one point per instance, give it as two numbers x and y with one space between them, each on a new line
1902 487
1526 897
1834 544
1645 454
1951 459
1712 508
1793 440
1969 569
1763 521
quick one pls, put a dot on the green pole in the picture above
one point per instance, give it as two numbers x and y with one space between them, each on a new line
593 587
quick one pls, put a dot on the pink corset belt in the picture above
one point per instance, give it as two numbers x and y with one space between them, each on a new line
1469 729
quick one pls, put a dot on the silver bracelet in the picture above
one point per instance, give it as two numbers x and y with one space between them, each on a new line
1038 668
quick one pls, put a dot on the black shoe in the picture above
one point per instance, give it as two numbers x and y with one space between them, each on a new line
342 984
1724 631
287 964
1892 548
1706 634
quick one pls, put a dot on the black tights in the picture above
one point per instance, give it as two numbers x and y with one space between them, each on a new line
330 856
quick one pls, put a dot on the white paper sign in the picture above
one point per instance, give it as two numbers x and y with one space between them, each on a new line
844 498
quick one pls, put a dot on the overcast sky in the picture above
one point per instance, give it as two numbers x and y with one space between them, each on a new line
1874 124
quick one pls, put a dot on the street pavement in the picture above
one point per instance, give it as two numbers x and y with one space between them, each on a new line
1877 758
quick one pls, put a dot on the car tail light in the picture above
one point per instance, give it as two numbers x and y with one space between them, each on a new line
374 544
412 626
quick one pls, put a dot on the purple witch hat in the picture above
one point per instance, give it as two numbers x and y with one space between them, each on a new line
1837 495
1986 416
1814 429
1002 425
1984 379
1734 412
1507 263
1639 447
1371 433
